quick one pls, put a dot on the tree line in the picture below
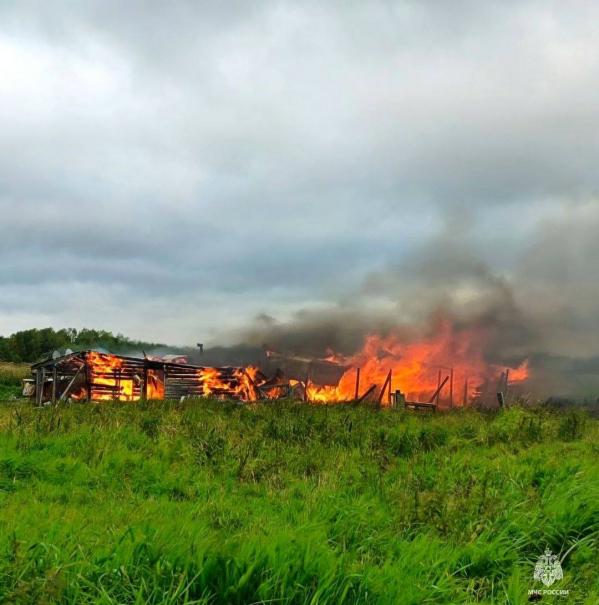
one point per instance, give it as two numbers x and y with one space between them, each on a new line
31 345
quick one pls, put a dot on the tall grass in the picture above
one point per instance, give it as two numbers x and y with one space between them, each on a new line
211 502
11 376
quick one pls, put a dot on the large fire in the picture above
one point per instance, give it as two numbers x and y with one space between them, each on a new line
451 359
110 377
449 368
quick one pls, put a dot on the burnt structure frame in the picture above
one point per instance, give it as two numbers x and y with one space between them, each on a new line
54 379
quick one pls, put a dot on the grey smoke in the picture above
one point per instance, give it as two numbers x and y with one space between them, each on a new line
543 306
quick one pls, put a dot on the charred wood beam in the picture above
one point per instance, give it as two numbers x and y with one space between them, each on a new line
438 391
70 385
54 381
112 387
387 382
419 405
273 385
211 392
88 382
49 363
38 386
367 393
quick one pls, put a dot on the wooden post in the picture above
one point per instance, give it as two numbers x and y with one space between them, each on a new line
88 381
38 387
507 382
143 395
438 386
164 378
54 381
42 383
465 402
451 388
357 391
390 383
501 382
436 393
384 387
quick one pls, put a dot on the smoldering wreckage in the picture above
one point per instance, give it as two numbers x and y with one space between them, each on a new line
446 371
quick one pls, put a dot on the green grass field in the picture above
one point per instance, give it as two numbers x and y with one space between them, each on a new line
211 502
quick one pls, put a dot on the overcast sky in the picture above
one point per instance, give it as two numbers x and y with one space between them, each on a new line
174 170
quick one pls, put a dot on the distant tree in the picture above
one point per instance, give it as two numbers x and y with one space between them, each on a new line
30 345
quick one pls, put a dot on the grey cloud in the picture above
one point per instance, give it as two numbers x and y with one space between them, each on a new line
182 168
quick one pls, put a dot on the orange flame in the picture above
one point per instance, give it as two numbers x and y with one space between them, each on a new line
105 370
238 383
155 386
417 368
108 380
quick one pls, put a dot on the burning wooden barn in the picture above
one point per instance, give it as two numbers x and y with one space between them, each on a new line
94 376
385 372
